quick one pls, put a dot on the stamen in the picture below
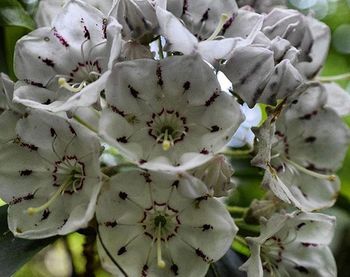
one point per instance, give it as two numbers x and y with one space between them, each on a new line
223 18
331 177
63 84
160 261
43 207
167 141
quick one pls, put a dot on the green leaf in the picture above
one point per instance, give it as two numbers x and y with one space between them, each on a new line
13 14
15 252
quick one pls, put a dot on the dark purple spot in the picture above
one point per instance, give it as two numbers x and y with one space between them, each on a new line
133 92
48 62
25 172
121 251
187 85
45 214
306 244
176 183
207 227
204 151
211 100
104 27
300 225
310 139
159 75
53 132
71 129
214 128
144 271
200 254
122 140
147 177
301 269
175 269
123 195
111 224
86 33
142 161
205 15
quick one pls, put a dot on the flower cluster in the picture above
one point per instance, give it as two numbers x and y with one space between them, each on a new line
139 78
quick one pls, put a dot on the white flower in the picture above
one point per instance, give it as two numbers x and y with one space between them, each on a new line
268 73
202 17
49 9
309 35
138 18
293 244
63 66
49 176
216 175
157 224
307 146
168 114
180 39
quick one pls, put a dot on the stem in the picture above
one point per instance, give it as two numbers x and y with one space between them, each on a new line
345 76
84 123
231 152
236 210
160 48
242 225
113 170
70 255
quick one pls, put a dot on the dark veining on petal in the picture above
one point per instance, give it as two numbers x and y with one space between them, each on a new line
61 39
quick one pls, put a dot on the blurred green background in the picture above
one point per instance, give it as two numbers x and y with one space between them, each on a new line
75 255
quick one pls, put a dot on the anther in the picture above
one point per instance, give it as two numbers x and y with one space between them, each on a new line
63 84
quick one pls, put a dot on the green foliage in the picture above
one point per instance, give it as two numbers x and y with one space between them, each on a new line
12 13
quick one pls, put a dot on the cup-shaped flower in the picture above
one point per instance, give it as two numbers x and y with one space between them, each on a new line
63 66
293 244
268 74
309 35
302 151
49 9
202 17
159 224
180 39
138 19
168 114
49 176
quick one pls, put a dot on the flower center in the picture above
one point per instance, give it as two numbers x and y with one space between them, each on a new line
168 128
69 176
81 76
160 223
